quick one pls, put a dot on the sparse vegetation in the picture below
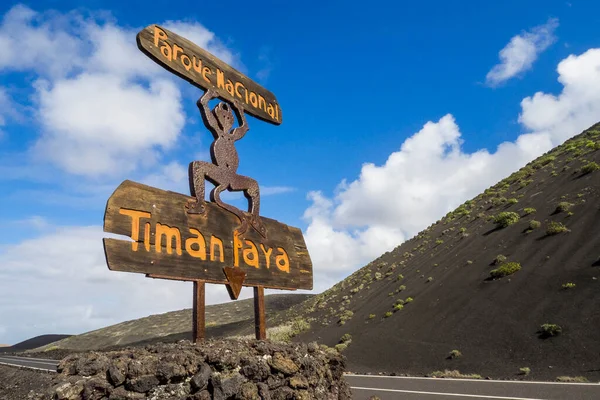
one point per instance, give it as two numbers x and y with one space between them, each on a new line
454 354
401 288
525 371
563 206
505 270
533 224
398 307
572 379
568 285
547 330
589 167
512 201
453 374
341 347
345 316
499 259
371 316
429 279
388 314
408 300
555 228
506 218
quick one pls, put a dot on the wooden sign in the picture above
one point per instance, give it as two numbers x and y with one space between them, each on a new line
202 69
168 242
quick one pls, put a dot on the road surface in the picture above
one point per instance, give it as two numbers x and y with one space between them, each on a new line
34 363
409 388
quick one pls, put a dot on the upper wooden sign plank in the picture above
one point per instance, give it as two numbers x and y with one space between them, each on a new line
168 242
202 69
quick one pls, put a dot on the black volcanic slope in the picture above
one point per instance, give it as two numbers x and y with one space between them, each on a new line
456 302
32 343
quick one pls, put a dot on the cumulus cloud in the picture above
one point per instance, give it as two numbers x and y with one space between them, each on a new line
521 52
74 290
432 174
104 107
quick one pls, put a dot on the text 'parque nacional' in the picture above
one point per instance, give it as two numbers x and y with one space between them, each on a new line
201 68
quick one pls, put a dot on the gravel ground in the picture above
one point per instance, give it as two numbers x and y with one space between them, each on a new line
16 383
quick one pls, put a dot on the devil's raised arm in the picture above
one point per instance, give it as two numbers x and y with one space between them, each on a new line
241 130
207 115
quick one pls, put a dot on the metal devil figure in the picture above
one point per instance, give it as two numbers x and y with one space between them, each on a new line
178 237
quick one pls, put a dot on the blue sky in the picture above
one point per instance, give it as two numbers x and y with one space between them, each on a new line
393 114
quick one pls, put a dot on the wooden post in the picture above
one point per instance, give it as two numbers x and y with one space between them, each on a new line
259 313
198 322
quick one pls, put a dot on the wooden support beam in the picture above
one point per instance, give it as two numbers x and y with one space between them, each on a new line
198 322
259 313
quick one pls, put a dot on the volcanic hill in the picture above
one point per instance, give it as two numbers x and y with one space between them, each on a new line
505 286
222 320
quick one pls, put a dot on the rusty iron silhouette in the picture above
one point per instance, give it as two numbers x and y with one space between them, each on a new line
223 171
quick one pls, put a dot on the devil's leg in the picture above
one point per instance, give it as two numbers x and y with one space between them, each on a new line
198 170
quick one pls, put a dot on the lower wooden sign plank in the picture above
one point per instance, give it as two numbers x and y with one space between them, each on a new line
168 241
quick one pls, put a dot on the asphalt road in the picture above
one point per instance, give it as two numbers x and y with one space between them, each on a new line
391 387
410 388
35 363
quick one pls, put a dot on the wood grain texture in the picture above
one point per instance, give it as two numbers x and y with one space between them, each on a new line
159 44
167 210
198 312
260 324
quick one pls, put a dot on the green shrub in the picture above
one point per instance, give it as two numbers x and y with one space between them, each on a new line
568 285
455 354
512 201
346 338
462 230
525 371
401 288
398 307
589 167
341 347
469 262
400 277
529 210
555 228
505 270
399 301
548 330
388 314
533 224
346 315
371 316
499 259
430 279
506 218
439 241
563 206
408 300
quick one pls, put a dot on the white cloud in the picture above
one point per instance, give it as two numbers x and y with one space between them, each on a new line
59 283
101 124
104 107
431 174
521 52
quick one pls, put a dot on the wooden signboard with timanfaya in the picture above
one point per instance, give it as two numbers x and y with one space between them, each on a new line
178 237
206 71
167 241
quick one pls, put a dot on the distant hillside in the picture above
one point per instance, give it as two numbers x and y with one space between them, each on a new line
226 319
32 343
439 301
